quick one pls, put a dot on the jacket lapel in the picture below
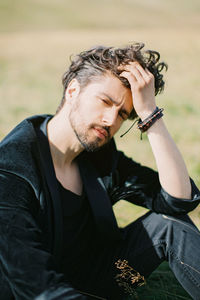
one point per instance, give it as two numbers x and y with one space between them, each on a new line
99 199
49 175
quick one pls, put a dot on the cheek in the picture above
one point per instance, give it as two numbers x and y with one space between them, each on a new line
116 127
89 110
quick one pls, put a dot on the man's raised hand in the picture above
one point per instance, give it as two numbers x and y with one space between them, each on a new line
142 88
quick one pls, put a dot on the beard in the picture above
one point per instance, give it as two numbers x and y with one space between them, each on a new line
82 133
91 146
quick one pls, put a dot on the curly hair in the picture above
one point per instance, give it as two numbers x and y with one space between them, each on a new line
94 62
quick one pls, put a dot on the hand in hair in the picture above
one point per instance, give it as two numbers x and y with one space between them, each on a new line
142 87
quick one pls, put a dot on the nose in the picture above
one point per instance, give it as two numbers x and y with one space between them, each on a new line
110 117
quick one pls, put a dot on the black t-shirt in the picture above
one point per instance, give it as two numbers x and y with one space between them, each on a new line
80 235
79 231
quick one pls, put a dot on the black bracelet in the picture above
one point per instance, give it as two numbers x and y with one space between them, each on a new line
150 120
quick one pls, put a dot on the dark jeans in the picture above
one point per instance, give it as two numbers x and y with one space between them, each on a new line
147 242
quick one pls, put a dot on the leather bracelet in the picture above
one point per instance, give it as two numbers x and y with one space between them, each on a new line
150 120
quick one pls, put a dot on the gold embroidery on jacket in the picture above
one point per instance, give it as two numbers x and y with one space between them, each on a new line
129 278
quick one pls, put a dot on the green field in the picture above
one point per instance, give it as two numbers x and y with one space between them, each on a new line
38 36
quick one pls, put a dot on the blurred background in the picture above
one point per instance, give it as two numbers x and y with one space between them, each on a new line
37 37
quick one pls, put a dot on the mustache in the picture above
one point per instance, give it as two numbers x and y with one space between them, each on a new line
106 128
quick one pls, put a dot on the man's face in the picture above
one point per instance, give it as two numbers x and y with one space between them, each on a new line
99 110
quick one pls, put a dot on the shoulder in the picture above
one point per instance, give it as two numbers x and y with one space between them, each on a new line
24 132
18 150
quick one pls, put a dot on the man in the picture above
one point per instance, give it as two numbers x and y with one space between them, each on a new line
60 176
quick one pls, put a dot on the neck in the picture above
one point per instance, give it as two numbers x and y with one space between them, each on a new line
63 142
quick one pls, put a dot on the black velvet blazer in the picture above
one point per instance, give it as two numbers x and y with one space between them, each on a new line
30 210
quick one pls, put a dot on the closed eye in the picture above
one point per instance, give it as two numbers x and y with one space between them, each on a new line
105 101
123 115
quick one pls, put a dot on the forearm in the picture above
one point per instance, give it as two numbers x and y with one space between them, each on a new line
140 185
172 171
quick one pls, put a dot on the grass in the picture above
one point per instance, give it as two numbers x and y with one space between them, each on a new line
28 15
161 285
38 36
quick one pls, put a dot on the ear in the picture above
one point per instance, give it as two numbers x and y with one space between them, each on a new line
72 90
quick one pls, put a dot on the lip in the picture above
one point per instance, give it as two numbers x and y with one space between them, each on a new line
102 133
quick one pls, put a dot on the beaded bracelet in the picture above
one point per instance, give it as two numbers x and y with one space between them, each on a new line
150 120
147 123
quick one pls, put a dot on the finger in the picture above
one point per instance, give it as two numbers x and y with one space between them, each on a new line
130 77
148 72
125 67
127 74
145 73
133 69
141 70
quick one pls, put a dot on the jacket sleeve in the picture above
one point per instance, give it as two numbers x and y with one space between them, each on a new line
27 269
140 185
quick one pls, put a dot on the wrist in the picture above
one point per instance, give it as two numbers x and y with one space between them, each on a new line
146 113
145 124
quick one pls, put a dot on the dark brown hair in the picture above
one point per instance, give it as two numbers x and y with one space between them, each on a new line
94 62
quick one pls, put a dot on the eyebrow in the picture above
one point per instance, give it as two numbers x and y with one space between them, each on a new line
115 102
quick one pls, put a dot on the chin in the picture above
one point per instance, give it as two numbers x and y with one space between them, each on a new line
94 147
